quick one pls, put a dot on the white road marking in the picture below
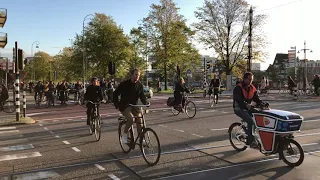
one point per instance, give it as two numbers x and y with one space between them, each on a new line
17 148
76 149
36 175
179 130
57 136
310 134
83 118
100 167
197 135
12 131
70 119
164 110
66 142
7 128
307 121
112 176
201 108
45 128
219 129
19 156
163 125
33 114
40 125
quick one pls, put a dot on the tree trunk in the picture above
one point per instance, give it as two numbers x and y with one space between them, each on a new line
165 77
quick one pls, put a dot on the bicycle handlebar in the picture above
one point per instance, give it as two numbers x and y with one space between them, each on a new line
147 105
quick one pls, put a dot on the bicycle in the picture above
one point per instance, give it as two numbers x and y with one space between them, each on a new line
212 98
38 100
143 137
8 106
95 121
176 109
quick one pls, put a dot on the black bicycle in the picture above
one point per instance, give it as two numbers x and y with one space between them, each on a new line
8 106
189 107
144 138
95 121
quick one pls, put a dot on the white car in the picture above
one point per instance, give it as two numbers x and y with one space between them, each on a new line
147 92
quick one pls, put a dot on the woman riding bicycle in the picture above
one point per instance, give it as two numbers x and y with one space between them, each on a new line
179 89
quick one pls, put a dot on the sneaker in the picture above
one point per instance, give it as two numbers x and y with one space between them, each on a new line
124 138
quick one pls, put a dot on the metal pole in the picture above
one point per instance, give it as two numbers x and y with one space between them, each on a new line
83 53
147 74
250 39
17 85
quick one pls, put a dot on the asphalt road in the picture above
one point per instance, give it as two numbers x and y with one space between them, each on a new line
59 146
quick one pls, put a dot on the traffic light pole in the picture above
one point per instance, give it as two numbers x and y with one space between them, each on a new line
17 91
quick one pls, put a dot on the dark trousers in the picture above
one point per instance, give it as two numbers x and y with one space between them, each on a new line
245 115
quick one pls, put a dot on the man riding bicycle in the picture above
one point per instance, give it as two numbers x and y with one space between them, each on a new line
243 95
94 94
130 91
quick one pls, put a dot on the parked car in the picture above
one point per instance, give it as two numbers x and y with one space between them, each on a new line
147 92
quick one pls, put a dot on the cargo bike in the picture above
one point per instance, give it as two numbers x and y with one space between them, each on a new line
273 133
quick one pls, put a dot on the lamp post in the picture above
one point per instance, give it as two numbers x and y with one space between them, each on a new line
141 23
305 74
83 51
32 55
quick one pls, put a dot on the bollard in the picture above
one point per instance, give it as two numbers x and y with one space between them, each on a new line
24 103
17 95
295 96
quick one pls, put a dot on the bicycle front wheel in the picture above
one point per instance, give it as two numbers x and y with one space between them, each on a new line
150 146
190 109
9 107
97 128
125 147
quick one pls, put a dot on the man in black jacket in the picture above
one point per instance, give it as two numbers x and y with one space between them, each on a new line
243 95
130 91
94 94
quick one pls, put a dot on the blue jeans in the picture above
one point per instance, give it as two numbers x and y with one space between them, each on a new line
245 115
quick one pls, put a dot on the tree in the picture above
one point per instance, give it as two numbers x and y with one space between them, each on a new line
39 66
104 42
224 26
169 39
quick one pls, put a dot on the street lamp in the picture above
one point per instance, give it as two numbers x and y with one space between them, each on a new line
305 74
83 52
142 23
32 55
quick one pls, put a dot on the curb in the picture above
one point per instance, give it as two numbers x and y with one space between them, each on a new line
12 121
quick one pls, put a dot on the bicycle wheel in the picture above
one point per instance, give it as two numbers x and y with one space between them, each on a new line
211 100
174 111
9 107
287 147
125 147
97 128
149 142
190 109
239 136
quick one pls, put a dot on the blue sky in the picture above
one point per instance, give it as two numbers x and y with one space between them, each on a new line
53 23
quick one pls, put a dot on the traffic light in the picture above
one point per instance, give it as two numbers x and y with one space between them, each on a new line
208 64
20 60
112 68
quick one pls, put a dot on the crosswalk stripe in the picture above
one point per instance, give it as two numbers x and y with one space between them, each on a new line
7 128
12 131
20 156
17 148
37 175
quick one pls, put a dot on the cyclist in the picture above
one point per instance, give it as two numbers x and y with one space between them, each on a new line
77 89
4 95
180 87
94 94
215 85
38 90
130 91
243 95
